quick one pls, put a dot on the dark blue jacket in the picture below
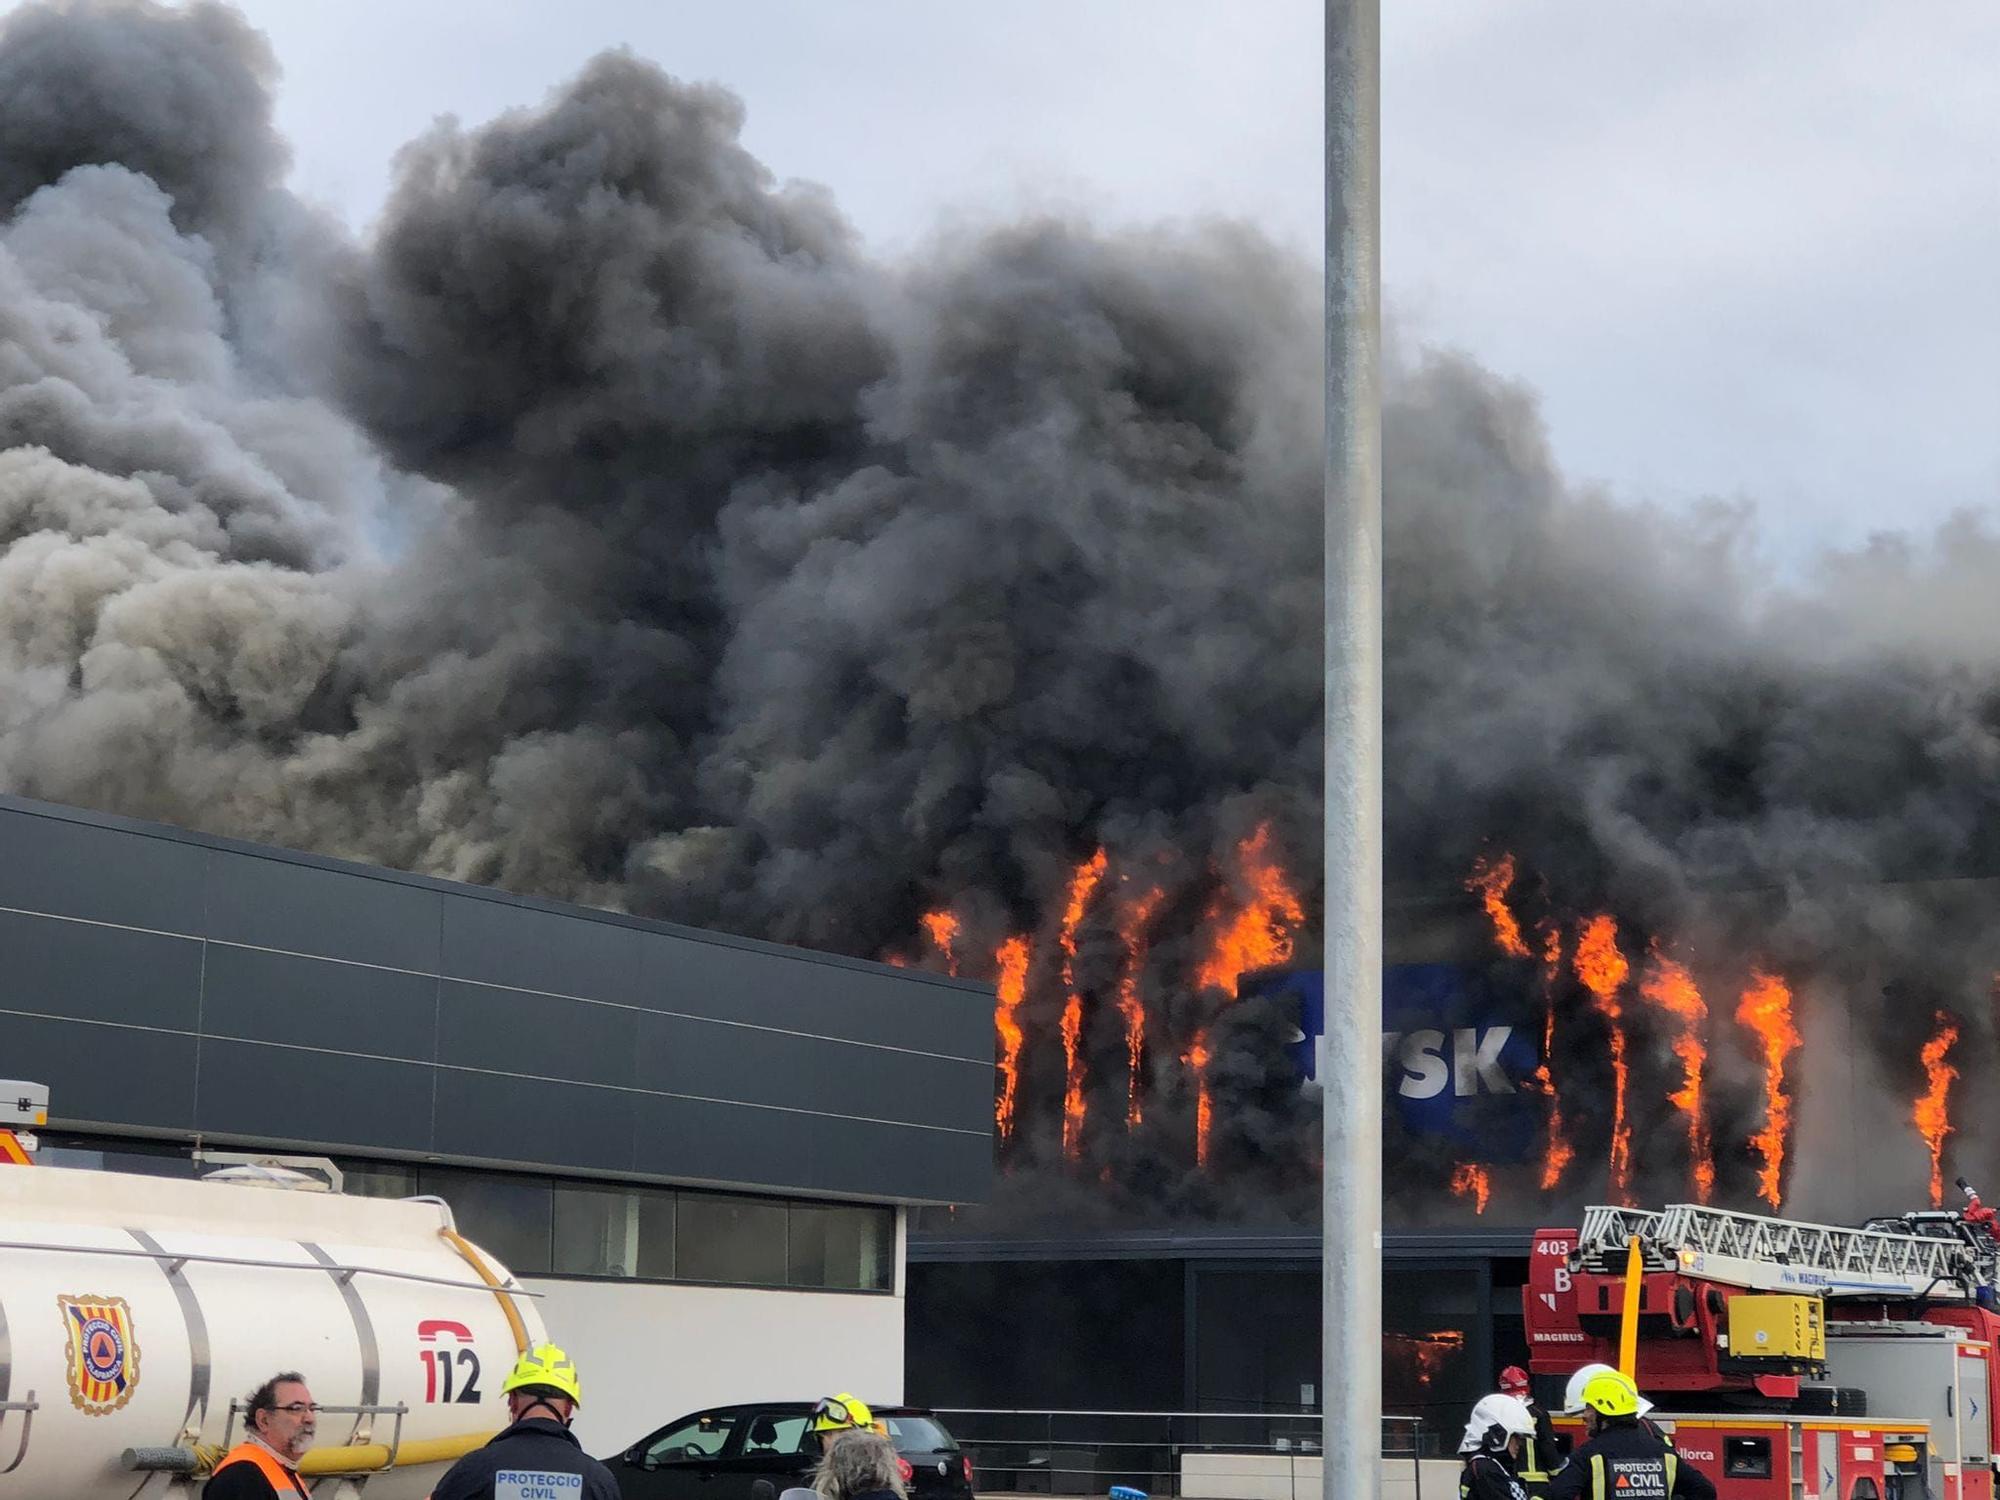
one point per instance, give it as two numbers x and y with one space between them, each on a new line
536 1459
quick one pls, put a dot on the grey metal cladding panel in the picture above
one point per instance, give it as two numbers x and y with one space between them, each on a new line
500 943
679 1055
533 1123
825 999
545 1036
723 1143
274 903
862 1156
79 969
108 1074
316 1099
280 997
105 874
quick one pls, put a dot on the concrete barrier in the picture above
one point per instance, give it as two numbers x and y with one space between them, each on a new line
1289 1476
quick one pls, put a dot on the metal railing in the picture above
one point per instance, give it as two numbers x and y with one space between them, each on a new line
1087 1452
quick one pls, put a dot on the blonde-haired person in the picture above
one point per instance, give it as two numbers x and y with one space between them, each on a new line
859 1465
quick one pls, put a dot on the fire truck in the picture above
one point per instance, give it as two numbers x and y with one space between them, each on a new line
1792 1361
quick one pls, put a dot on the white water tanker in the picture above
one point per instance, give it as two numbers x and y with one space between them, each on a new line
137 1312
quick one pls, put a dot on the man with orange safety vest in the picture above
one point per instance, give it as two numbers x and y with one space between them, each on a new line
281 1418
1621 1460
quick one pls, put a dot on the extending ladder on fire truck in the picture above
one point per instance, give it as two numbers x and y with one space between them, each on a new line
1786 1255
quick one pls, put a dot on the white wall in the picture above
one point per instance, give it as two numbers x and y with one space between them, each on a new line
648 1353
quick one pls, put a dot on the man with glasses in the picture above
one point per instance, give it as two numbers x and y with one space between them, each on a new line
281 1417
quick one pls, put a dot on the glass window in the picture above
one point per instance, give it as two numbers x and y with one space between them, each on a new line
596 1232
698 1437
87 1154
847 1247
656 1234
770 1433
376 1180
738 1240
918 1435
506 1215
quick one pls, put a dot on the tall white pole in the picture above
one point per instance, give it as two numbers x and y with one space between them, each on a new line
1352 1076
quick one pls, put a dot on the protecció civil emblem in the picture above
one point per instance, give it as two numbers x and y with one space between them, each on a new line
103 1354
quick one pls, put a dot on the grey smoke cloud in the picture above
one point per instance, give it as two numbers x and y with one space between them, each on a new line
607 527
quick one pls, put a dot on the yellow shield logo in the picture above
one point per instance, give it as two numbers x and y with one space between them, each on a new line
103 1354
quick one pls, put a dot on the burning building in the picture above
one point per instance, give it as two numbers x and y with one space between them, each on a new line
607 525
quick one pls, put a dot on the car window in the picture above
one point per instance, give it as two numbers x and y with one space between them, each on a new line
918 1434
698 1437
768 1432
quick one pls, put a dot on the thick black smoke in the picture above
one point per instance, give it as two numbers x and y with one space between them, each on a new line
609 526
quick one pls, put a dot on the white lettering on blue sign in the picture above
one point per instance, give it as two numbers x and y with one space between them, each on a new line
1474 1067
534 1484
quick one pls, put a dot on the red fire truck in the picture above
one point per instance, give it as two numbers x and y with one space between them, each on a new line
1793 1361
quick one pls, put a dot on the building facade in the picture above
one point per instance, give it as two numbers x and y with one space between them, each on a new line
698 1149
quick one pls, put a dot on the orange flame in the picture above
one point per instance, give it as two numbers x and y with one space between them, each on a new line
1558 1153
1261 933
942 927
1932 1112
1011 962
1766 1008
1196 1058
1083 883
1132 923
1425 1352
1603 970
1672 988
1491 881
1469 1180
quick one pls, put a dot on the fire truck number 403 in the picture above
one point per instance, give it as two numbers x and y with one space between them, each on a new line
1804 1361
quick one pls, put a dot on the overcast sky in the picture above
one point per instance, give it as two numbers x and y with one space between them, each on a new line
1740 249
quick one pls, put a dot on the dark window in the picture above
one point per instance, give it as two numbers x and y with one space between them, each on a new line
656 1234
507 1215
849 1248
379 1181
1864 1489
85 1154
1746 1458
739 1240
596 1232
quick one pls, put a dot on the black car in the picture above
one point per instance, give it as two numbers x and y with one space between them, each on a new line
721 1454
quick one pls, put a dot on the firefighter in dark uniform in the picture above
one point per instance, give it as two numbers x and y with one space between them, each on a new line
538 1454
1541 1457
1622 1460
1500 1425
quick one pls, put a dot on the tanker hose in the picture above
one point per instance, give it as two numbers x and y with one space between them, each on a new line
505 1297
368 1458
161 1460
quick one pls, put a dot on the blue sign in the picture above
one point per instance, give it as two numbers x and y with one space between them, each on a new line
1461 1057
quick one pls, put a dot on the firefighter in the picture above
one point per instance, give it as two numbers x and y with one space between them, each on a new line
1621 1460
538 1454
1541 1458
843 1413
1573 1397
1495 1435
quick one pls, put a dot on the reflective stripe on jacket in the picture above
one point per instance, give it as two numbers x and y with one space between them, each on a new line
283 1481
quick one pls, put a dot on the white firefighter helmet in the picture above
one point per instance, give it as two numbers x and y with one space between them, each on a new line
1495 1419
